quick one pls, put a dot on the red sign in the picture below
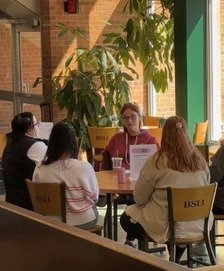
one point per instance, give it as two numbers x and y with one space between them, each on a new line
71 6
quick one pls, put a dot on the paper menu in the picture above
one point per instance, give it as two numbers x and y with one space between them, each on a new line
45 129
138 156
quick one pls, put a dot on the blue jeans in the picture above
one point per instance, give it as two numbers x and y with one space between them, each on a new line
91 224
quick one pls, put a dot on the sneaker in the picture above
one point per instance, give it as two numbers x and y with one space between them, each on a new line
130 243
200 249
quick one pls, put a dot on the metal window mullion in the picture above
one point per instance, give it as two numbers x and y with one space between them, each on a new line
16 68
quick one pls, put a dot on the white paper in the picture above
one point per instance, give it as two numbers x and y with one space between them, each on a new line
45 130
138 156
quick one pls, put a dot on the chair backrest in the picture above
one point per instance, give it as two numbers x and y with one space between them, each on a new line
157 133
200 132
100 136
187 204
48 198
151 121
2 143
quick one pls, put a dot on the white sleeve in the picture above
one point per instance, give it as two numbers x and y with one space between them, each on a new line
37 151
92 184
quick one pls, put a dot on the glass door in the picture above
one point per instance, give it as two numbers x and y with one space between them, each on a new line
20 65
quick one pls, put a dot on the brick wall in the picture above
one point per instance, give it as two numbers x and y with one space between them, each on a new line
5 56
91 17
5 76
31 60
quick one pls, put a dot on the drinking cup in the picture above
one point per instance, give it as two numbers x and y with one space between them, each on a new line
117 162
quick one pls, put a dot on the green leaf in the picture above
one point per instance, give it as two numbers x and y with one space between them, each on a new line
100 86
69 60
37 82
116 67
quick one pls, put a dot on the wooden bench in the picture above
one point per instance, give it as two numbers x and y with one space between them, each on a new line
30 241
211 268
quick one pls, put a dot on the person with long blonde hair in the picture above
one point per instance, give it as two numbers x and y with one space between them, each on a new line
177 163
177 149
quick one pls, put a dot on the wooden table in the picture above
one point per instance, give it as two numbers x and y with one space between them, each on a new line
107 181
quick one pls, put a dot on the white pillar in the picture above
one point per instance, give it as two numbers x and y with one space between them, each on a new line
214 70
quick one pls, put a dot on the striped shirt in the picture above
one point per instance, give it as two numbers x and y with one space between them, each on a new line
82 190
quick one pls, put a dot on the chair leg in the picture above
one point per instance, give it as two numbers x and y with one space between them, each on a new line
172 252
115 219
155 248
143 245
213 237
105 226
140 244
176 253
189 256
210 251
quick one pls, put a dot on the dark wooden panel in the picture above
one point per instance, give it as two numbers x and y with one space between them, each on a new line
31 242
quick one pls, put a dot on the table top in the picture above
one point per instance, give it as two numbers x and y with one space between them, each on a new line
107 181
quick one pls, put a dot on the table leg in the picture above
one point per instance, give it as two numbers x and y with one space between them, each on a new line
115 219
109 216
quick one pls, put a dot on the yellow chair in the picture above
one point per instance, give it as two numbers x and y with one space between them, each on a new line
189 204
49 199
157 133
200 132
151 121
99 137
2 144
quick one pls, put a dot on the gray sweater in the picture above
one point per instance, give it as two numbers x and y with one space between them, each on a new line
151 208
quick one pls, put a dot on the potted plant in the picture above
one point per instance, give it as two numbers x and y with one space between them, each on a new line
94 92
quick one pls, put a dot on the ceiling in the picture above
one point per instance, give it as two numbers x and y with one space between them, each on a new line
19 9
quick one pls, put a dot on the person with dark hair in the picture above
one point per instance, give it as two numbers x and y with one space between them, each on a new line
59 165
132 135
177 163
217 175
216 169
22 151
